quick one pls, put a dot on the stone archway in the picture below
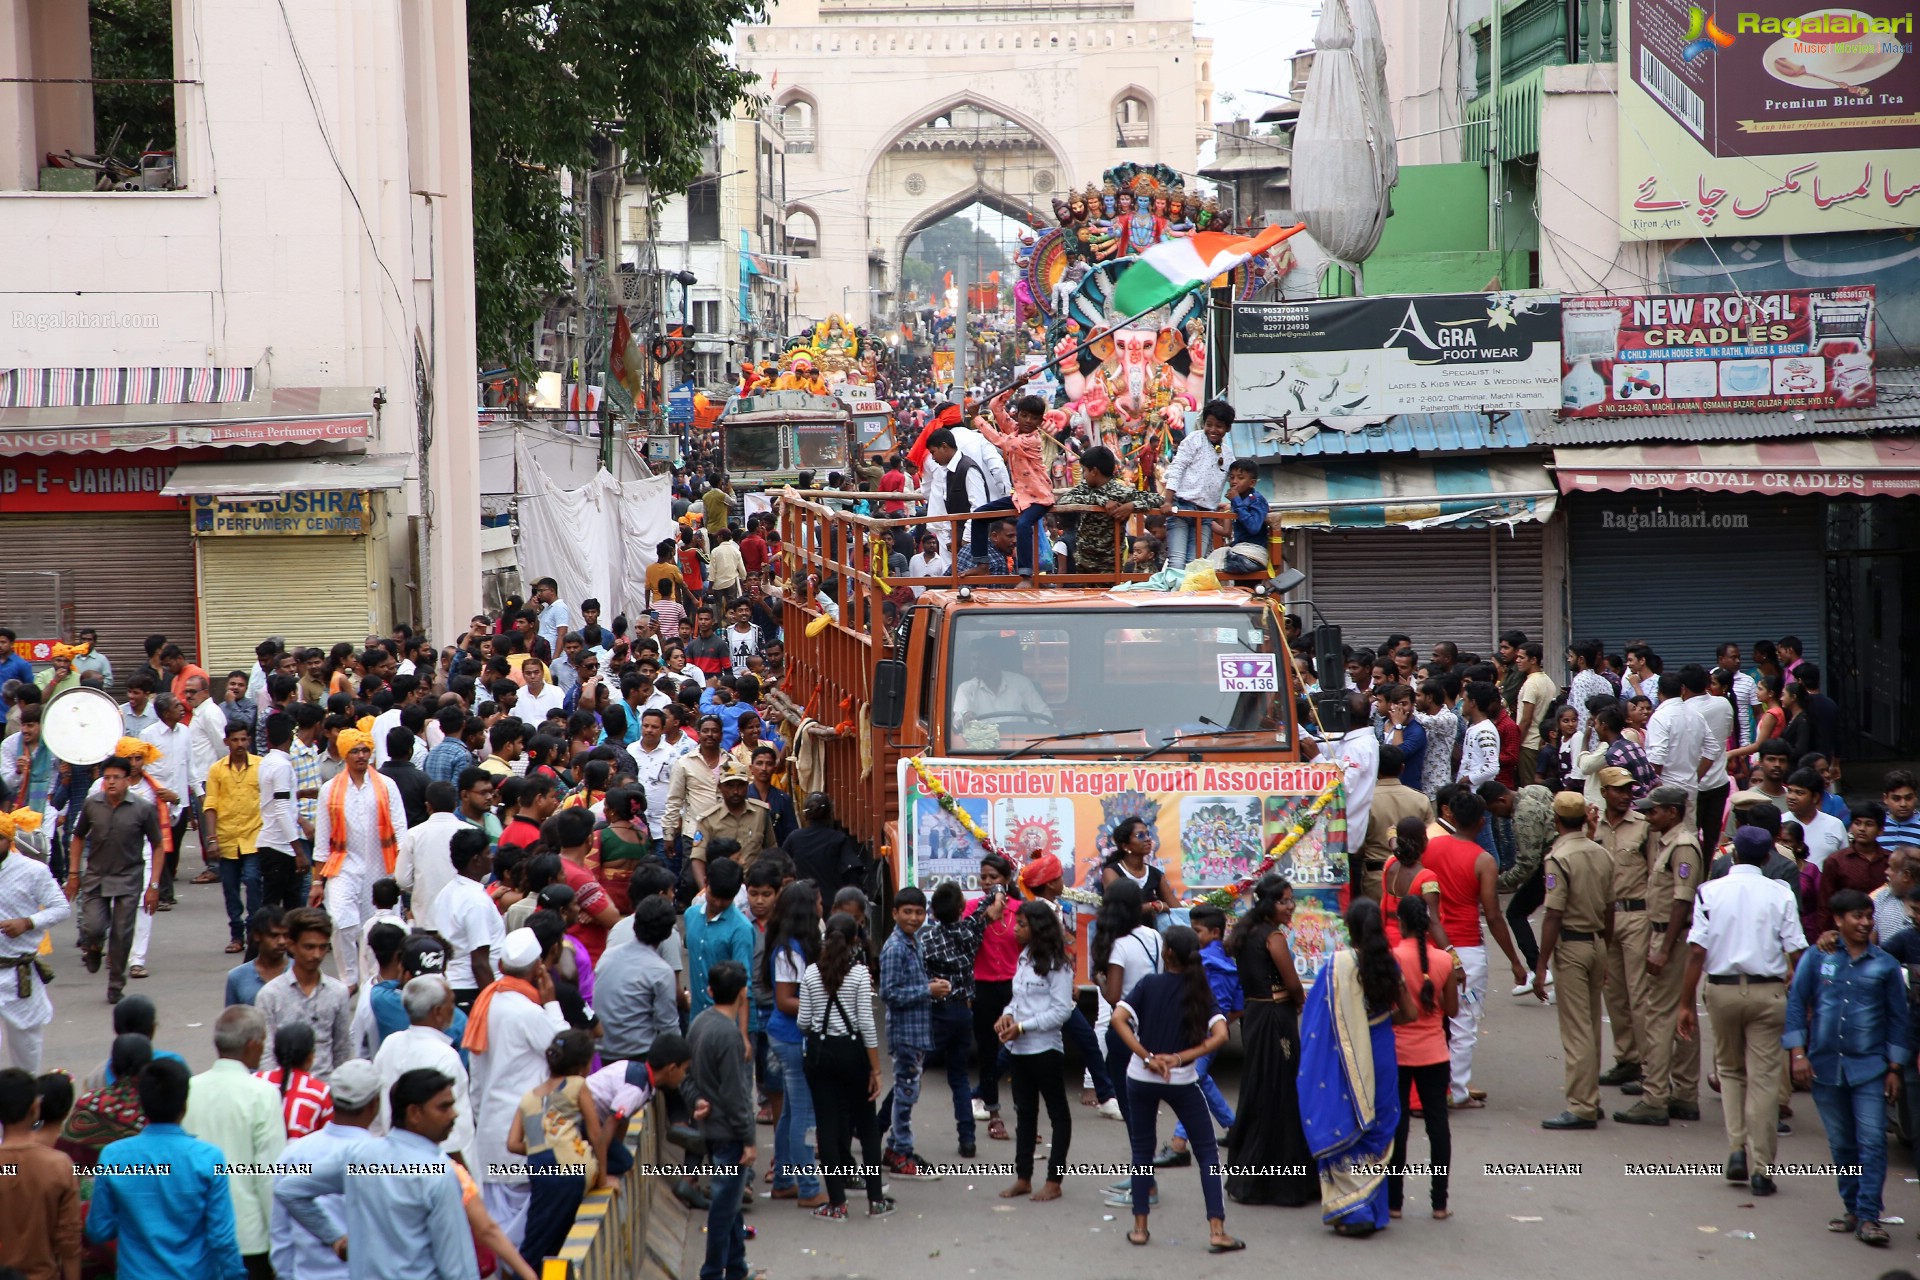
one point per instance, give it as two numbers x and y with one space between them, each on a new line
952 154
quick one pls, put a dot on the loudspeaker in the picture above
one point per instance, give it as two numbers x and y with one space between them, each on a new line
1329 657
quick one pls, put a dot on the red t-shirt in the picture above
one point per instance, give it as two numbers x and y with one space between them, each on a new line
753 552
589 895
520 833
1451 860
690 570
894 482
1509 730
1390 903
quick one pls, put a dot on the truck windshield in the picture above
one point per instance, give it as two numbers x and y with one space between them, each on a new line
1140 675
754 448
822 447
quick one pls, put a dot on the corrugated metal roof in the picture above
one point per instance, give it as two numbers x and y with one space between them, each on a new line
1405 433
1897 409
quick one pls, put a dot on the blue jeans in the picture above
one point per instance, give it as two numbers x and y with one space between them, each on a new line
1028 530
766 1067
235 872
953 1038
1143 1108
1216 1100
726 1228
1080 1031
907 1064
793 1135
1188 538
1855 1118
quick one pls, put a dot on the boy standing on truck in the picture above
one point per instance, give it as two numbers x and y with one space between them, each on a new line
1094 547
1019 441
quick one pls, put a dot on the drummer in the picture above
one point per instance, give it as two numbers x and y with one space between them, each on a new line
30 904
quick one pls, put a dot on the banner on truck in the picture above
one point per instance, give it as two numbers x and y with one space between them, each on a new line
1717 352
1778 117
1212 824
1367 357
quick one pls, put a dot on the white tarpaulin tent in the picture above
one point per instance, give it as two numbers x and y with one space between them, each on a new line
595 540
1345 158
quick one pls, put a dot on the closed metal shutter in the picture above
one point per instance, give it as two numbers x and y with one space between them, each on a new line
311 592
1432 584
1756 570
131 575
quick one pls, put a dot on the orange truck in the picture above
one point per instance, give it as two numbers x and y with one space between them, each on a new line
1045 715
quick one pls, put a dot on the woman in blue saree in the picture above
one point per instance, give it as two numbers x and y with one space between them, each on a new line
1349 1075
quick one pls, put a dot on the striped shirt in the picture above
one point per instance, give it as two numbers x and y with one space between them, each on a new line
1899 831
306 776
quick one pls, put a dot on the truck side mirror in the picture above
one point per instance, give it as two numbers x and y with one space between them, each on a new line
889 707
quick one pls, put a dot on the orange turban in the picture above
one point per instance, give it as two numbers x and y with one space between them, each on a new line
361 735
72 650
18 820
135 751
1044 869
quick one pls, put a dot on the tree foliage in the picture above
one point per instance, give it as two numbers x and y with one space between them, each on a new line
132 40
545 81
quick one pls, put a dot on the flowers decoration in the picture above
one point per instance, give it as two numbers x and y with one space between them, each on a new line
931 786
1227 896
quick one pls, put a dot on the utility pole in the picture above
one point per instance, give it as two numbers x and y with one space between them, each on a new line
1494 183
961 280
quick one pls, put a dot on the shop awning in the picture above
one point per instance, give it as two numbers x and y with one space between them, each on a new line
1369 493
271 477
1888 465
280 415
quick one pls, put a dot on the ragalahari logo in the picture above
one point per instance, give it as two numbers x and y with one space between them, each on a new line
1702 35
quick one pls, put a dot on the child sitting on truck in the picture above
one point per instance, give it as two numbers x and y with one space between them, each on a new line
1246 552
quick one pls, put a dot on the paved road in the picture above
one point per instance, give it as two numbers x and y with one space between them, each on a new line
1600 1223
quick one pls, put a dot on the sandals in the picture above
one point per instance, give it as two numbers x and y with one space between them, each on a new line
137 971
997 1129
1351 1230
1228 1245
1844 1225
1139 1237
1468 1103
235 947
1872 1233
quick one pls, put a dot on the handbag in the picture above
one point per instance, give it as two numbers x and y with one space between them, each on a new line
834 1056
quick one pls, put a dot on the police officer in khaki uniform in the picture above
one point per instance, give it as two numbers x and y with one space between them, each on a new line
736 817
1579 880
1623 834
1676 869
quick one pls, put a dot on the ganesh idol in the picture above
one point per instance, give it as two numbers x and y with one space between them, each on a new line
1133 388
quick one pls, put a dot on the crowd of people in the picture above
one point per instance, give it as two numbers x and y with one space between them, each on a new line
566 865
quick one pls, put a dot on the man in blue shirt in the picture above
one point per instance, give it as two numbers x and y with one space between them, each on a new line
909 996
716 929
1847 1037
161 1195
403 1218
13 667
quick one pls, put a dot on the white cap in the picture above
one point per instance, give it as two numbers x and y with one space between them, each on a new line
522 950
354 1084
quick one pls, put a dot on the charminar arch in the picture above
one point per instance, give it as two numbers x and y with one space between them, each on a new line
900 112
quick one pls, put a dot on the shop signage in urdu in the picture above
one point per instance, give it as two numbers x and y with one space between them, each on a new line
1717 352
1366 357
1767 117
307 512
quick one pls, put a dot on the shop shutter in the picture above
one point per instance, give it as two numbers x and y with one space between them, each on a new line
312 592
1433 584
131 575
1751 568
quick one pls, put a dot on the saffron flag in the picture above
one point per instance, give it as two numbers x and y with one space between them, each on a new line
1173 267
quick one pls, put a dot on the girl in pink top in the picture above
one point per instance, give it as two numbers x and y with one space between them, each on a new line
1421 1047
993 967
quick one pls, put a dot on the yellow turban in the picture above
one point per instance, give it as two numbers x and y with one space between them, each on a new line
136 751
18 820
72 650
361 735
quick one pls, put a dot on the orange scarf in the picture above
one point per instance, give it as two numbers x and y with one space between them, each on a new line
337 823
476 1038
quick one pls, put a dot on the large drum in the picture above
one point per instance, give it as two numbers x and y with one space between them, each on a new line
81 725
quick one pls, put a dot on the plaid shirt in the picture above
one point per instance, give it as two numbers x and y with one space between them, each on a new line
446 762
948 950
903 985
1623 753
306 775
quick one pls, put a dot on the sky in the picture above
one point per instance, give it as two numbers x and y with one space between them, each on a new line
1252 40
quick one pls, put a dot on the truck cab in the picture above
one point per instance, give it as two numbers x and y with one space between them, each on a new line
769 438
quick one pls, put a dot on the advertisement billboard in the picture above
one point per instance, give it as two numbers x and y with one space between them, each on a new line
1431 353
1779 117
1717 352
1212 825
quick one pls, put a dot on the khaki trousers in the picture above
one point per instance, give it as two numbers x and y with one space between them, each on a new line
1628 995
1671 1065
1748 1020
1579 978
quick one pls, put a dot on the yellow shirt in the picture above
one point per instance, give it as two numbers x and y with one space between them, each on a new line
234 795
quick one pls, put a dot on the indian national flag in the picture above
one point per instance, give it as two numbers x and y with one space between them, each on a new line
1173 267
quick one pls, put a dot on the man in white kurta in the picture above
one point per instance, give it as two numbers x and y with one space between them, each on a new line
425 868
429 1003
347 891
507 1039
30 903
